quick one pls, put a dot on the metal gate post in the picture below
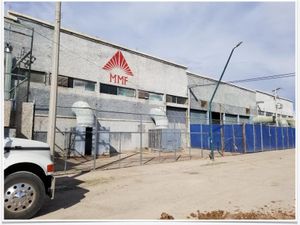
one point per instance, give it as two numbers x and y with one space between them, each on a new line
222 139
173 142
154 135
201 136
233 138
276 141
96 140
120 150
282 135
189 143
254 142
261 138
141 140
288 138
270 143
244 137
65 151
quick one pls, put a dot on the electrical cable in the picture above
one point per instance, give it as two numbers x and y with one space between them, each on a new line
254 79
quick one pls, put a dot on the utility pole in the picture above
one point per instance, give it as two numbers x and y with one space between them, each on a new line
211 155
53 90
275 98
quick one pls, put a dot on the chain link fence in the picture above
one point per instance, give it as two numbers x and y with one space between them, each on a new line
121 139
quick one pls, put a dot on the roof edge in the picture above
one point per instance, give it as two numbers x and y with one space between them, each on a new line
95 39
266 93
223 82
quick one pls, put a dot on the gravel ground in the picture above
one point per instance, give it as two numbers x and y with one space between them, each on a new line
250 186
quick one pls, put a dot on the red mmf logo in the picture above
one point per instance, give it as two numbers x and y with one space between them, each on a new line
116 65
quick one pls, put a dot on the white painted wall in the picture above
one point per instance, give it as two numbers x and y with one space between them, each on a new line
268 104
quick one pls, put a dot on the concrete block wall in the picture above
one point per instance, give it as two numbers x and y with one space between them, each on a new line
27 116
117 122
83 57
228 99
8 105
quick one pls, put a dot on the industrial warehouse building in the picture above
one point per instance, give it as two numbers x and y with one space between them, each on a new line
127 91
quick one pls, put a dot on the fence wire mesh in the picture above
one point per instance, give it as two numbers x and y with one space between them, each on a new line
120 139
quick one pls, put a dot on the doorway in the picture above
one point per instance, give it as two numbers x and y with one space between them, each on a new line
88 140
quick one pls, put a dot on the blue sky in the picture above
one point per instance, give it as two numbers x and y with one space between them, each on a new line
199 35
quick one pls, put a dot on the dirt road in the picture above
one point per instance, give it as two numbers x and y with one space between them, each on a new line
261 182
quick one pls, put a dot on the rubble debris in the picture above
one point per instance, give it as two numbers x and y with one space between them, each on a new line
166 216
252 215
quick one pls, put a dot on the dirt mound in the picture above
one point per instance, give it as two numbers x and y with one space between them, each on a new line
166 216
252 215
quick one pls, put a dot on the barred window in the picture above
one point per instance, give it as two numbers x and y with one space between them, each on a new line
115 90
176 99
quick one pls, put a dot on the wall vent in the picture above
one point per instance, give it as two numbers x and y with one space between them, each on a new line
203 103
247 111
144 94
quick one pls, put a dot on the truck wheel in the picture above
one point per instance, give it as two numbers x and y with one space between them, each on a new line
24 195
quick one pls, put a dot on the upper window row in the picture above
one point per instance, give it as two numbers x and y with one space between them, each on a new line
176 99
70 82
63 81
129 92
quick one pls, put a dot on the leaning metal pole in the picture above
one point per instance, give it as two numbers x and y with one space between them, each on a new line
211 156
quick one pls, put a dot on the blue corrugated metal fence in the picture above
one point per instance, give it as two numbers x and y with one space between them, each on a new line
244 138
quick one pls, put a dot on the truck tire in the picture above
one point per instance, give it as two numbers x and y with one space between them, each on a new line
24 195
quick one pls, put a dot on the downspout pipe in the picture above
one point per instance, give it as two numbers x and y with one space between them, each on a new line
212 157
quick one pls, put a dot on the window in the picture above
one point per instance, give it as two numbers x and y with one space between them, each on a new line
269 114
143 94
261 112
155 97
126 92
150 95
244 119
62 81
108 89
37 77
115 90
90 86
169 98
79 84
176 99
84 85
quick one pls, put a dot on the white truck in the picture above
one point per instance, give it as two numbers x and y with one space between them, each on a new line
28 175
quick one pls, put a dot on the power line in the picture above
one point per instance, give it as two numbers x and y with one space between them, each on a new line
270 77
254 79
